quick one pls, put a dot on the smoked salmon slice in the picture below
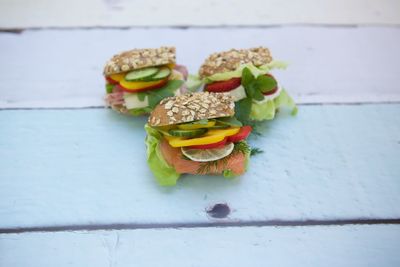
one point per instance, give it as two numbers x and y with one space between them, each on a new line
236 162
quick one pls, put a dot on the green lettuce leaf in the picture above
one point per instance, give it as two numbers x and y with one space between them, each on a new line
155 96
284 100
139 111
238 72
263 111
164 173
109 88
267 110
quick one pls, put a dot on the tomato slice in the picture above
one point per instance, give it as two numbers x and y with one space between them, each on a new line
273 91
223 86
241 135
143 86
213 145
111 81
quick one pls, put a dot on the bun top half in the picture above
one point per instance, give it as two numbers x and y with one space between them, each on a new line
192 107
140 58
225 61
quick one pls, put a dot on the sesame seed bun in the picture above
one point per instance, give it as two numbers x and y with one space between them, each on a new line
192 107
139 58
230 60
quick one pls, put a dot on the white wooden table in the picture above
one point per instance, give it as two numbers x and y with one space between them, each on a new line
75 189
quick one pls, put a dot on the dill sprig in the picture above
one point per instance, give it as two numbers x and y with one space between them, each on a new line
211 166
241 147
255 150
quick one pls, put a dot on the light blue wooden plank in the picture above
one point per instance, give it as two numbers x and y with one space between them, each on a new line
333 246
63 68
94 13
88 166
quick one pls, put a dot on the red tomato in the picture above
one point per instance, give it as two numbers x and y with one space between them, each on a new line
209 146
273 91
241 135
156 86
111 81
223 86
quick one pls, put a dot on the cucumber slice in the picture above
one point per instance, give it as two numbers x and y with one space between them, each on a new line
187 133
141 74
197 124
163 73
220 126
231 121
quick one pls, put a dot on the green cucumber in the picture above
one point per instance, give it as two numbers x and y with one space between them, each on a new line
220 126
231 121
187 133
163 73
141 74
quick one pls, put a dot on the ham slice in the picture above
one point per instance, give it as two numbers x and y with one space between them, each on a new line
115 100
182 69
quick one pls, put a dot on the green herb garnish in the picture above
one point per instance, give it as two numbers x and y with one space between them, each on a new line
208 167
254 87
255 150
155 96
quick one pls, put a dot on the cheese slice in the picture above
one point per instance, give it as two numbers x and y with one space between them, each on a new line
132 101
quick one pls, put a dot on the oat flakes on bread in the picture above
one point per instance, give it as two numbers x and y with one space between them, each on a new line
140 58
191 107
220 62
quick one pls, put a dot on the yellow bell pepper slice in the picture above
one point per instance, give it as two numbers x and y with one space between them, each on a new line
212 136
190 126
117 77
138 85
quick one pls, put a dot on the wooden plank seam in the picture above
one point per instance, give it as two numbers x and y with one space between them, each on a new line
133 226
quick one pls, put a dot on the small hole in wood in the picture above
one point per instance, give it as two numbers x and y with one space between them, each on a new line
220 210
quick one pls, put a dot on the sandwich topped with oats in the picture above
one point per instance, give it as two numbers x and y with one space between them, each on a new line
245 75
196 133
137 80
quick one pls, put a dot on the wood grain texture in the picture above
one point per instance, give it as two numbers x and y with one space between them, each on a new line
75 13
251 246
327 65
69 167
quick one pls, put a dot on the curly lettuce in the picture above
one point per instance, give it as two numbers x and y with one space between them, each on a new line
193 83
238 72
164 173
267 110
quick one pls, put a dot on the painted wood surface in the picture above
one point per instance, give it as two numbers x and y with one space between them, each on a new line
75 13
334 246
327 65
69 167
